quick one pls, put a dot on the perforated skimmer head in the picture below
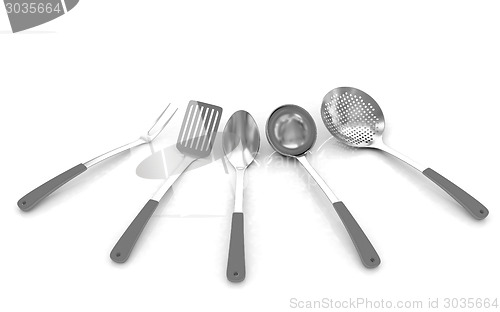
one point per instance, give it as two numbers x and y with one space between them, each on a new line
352 116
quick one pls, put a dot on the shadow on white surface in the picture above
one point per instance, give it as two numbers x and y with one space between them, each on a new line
163 162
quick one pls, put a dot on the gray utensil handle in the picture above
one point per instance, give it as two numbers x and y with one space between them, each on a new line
367 253
32 198
474 207
236 260
126 243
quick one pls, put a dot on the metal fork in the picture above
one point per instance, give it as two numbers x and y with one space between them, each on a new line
28 201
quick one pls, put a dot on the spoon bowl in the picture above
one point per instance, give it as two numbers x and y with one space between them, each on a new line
241 139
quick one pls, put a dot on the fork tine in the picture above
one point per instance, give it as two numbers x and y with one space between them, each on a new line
157 122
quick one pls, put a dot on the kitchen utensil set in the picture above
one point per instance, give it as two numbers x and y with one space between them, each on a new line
351 116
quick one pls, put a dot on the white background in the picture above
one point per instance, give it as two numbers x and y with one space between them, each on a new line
98 76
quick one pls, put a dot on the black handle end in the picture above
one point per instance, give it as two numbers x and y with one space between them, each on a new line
23 204
367 253
372 262
118 257
123 248
27 202
472 205
236 271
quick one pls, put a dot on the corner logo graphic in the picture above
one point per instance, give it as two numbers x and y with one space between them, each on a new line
25 14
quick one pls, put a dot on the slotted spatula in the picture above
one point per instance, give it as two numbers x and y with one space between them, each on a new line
196 138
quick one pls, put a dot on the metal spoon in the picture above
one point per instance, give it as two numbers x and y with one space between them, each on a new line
241 143
354 118
291 131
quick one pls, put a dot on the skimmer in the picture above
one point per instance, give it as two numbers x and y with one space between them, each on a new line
353 117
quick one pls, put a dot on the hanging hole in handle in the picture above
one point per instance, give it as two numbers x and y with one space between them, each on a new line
481 211
372 259
118 254
24 203
236 274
